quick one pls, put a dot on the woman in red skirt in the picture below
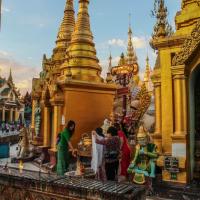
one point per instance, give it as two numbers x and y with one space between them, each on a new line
125 153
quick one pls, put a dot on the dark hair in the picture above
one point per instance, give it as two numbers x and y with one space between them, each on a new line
117 126
69 124
112 130
99 132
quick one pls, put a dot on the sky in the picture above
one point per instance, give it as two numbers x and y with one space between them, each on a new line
29 29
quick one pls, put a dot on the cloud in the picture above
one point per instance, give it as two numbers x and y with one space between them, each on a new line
41 25
138 42
4 53
22 74
5 10
117 42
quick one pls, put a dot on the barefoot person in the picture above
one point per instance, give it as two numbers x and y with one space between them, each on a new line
63 146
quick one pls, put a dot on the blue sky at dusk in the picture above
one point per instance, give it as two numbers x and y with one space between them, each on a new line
29 29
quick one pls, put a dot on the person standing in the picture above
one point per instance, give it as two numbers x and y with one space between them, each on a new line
125 153
63 147
111 153
97 163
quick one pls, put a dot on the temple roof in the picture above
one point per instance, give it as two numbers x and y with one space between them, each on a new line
2 80
10 78
5 92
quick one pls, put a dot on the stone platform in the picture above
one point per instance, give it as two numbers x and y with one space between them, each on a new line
37 185
165 190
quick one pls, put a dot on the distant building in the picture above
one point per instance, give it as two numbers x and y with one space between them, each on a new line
10 106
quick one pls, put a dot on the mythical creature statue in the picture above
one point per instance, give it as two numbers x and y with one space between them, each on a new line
143 164
37 119
23 145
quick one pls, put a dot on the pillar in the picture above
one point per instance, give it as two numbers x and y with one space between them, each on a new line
56 106
16 114
57 124
47 124
33 113
179 136
157 136
180 105
11 114
3 114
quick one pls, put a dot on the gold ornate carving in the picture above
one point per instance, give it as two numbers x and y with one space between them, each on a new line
189 46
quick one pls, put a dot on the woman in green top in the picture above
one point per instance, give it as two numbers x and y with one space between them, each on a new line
63 147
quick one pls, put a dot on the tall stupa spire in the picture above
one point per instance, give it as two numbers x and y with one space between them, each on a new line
81 55
147 76
64 35
109 76
147 70
67 25
131 55
162 27
110 63
10 78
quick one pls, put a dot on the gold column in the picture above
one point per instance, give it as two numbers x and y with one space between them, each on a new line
16 114
11 114
157 136
47 124
33 114
180 105
57 124
3 114
179 137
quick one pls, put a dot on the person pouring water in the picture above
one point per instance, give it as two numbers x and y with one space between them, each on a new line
64 145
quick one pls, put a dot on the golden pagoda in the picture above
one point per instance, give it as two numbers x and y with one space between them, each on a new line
70 86
176 82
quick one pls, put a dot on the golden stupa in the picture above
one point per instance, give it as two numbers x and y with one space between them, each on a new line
70 86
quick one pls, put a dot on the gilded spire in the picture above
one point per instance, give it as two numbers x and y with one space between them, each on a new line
131 55
67 26
147 76
81 54
147 71
162 27
109 76
110 63
10 78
